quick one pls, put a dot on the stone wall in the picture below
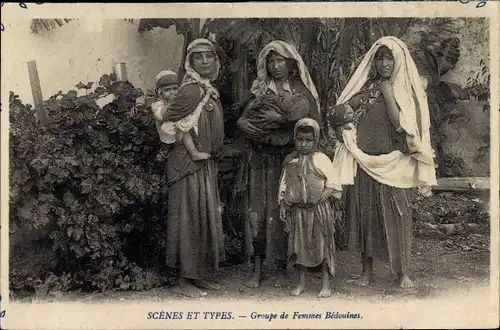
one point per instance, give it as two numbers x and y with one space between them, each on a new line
85 50
464 137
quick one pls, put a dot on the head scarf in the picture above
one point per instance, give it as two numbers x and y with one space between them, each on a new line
408 90
191 76
259 86
304 122
414 119
308 122
166 78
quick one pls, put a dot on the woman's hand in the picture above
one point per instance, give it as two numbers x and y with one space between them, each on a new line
270 116
339 130
250 130
386 88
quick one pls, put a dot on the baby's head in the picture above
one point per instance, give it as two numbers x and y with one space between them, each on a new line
295 103
167 84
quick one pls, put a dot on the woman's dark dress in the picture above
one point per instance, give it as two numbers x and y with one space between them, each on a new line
378 216
195 242
259 179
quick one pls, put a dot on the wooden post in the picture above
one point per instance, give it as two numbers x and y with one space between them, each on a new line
120 70
36 89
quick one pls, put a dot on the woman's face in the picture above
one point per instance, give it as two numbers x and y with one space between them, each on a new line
204 63
304 142
384 62
277 66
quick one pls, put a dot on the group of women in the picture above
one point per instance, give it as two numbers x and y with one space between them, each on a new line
382 152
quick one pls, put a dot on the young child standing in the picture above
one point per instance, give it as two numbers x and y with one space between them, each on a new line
167 84
308 180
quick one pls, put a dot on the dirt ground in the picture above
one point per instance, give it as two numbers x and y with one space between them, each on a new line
435 271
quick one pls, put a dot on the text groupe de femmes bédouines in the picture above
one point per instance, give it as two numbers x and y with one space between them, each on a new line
254 315
297 315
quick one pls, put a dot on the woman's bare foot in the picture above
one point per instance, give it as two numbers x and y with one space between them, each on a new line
302 282
367 276
204 284
187 289
405 282
196 156
299 289
280 280
363 280
254 280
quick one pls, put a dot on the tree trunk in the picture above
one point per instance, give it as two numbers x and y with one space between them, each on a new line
192 33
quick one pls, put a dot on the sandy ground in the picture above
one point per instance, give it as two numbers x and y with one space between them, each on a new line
435 271
452 291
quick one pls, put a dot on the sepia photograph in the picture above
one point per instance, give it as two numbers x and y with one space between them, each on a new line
195 165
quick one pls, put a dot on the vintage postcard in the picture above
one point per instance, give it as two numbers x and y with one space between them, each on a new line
250 165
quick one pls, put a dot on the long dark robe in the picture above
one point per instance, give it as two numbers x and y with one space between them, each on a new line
378 216
195 242
259 178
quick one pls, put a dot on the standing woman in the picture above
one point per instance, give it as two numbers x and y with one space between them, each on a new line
195 243
282 94
382 154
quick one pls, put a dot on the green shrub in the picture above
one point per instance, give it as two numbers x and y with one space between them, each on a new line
88 184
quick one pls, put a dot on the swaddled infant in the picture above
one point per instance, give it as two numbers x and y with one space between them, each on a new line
291 107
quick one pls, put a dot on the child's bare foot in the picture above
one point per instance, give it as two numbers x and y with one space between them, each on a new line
325 293
187 289
204 284
200 156
299 289
363 280
254 280
280 280
405 282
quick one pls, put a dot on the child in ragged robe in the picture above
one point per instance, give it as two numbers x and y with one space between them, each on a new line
167 84
308 181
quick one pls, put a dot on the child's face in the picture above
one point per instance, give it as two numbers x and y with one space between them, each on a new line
168 93
304 142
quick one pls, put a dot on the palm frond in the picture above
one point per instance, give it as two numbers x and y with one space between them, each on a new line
148 24
42 25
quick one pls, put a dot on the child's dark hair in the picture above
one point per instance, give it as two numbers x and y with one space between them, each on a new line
305 129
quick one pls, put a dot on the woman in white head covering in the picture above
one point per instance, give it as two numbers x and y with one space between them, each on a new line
282 94
195 242
382 121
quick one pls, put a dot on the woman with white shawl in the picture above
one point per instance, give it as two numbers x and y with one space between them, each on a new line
282 93
195 241
383 151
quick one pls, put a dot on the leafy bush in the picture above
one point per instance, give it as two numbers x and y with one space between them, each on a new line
91 184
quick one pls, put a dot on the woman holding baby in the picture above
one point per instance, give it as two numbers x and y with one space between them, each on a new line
195 242
282 94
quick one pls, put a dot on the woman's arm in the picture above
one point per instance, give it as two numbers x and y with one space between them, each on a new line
392 106
244 124
184 104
